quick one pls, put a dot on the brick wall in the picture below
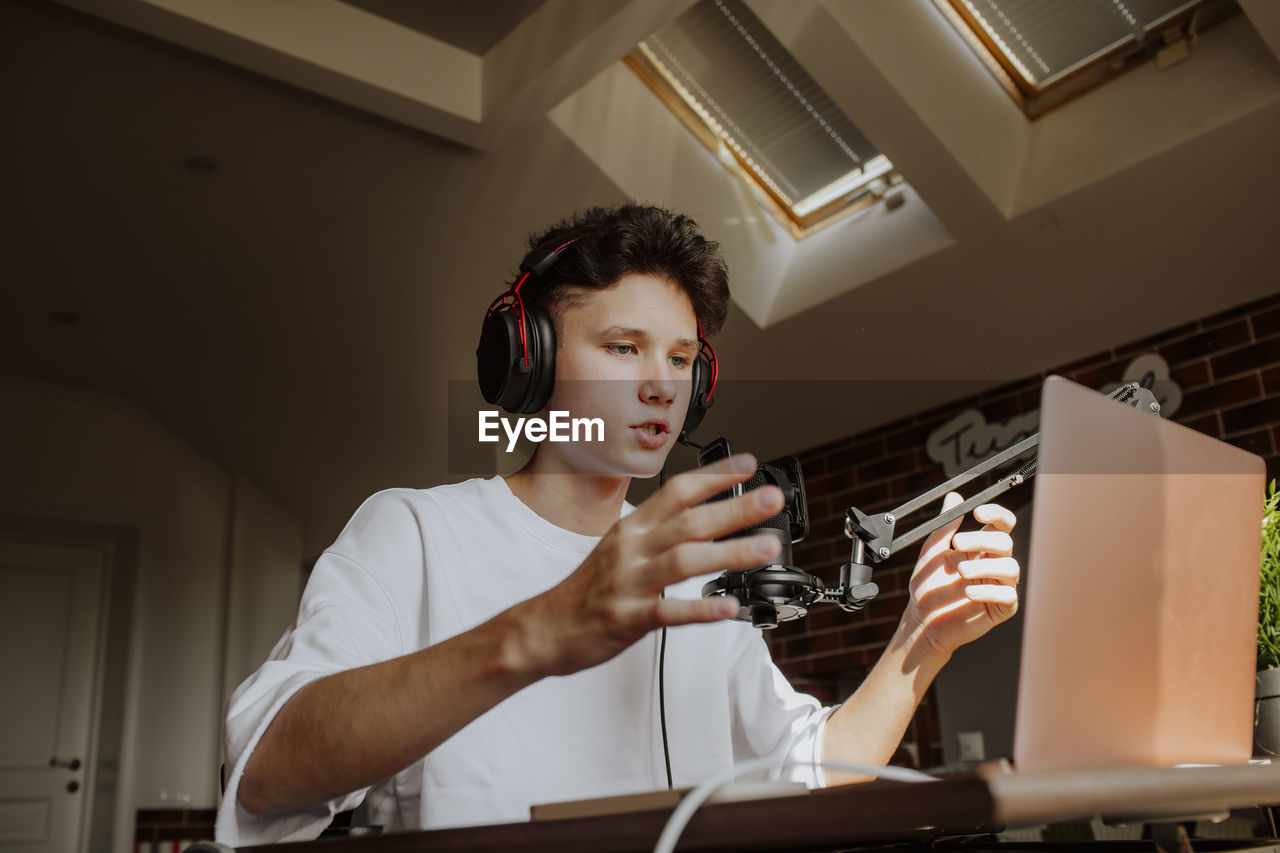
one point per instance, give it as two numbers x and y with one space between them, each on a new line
1228 367
171 830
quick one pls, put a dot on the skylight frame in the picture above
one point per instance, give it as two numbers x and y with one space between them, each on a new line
1035 100
822 208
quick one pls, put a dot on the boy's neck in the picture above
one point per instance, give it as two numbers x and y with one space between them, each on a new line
583 503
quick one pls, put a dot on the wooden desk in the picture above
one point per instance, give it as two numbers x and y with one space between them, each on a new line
846 817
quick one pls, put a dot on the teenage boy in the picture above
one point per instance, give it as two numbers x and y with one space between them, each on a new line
465 651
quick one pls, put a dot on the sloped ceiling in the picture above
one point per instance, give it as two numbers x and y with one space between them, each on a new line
299 312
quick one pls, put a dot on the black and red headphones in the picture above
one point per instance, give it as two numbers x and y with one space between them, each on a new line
516 356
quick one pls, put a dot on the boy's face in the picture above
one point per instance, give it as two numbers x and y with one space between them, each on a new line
625 354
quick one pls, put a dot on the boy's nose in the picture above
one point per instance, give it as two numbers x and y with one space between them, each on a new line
661 389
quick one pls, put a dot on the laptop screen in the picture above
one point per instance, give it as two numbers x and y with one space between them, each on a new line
1142 591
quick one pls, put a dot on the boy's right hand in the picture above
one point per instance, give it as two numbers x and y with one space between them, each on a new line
613 598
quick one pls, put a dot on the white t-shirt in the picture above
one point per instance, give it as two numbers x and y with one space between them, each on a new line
415 567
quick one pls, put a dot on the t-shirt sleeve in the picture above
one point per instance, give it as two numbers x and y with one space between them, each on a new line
770 717
347 618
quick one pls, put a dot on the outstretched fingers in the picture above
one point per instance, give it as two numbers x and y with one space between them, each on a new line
669 612
690 488
715 520
690 559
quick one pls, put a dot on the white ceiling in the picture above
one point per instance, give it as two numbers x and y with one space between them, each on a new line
297 314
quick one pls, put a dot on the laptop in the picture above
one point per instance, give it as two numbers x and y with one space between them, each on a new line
1141 596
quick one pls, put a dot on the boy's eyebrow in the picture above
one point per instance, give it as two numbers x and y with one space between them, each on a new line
631 332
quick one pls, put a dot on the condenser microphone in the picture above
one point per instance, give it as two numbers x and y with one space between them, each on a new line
775 591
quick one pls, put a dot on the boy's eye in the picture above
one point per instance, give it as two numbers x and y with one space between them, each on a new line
621 349
680 360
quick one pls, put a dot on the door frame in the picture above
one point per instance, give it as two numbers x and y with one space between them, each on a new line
106 814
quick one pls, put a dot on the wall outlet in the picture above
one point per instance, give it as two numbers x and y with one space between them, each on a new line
971 747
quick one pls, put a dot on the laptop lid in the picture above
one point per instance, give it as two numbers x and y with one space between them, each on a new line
1141 597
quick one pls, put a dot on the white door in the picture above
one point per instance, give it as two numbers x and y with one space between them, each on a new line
50 606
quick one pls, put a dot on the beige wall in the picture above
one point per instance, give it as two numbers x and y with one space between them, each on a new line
206 540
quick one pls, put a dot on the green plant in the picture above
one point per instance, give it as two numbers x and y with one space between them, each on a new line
1269 600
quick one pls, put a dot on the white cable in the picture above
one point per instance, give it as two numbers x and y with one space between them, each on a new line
692 801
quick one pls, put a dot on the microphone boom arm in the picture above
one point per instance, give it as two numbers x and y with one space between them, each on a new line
873 535
877 531
777 592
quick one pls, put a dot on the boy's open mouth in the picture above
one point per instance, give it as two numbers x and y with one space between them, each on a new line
652 434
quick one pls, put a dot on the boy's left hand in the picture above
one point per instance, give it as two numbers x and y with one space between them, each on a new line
964 584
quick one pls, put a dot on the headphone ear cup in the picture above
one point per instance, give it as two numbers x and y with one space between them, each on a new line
698 402
541 337
503 379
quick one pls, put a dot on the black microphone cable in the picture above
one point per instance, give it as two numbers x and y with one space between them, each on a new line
662 700
662 671
662 645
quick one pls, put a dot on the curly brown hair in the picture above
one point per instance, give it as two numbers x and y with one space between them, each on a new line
612 242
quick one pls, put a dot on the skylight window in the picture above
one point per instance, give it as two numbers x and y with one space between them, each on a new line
747 98
1046 53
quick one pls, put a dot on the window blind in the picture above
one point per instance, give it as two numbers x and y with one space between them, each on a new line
1045 41
752 92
